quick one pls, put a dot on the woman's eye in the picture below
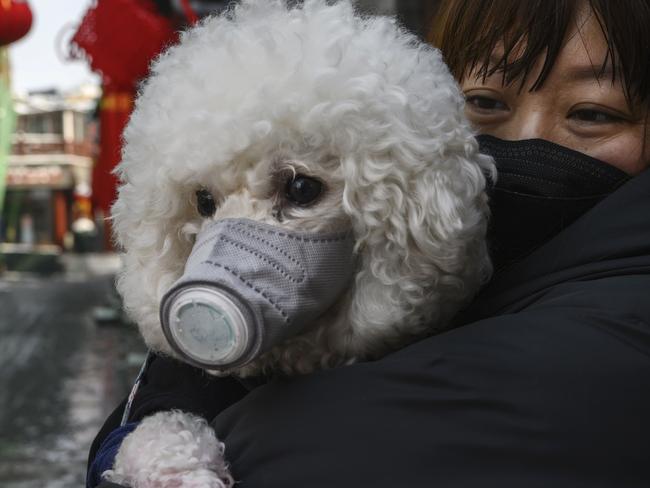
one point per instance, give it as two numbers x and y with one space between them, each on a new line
593 116
303 190
205 203
485 103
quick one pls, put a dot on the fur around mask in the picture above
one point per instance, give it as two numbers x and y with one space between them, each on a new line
255 96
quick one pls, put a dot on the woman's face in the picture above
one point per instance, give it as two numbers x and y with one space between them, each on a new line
573 108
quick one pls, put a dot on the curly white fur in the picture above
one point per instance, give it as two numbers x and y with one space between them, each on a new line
171 449
264 91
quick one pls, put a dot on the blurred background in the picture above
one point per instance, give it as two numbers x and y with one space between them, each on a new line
68 74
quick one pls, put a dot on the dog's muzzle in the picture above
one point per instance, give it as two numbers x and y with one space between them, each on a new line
248 286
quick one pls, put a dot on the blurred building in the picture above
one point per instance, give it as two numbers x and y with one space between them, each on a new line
48 175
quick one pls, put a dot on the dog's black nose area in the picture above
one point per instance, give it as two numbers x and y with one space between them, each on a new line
205 203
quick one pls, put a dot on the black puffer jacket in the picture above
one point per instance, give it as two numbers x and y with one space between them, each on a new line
546 384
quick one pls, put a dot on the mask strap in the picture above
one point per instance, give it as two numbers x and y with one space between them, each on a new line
134 389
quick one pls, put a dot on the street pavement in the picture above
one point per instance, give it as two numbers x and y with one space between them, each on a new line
61 374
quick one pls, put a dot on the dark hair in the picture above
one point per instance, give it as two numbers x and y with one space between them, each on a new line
467 31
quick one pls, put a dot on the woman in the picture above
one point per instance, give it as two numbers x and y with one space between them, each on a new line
546 382
574 73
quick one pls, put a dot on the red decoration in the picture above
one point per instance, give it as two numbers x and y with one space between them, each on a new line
15 20
189 12
121 37
115 109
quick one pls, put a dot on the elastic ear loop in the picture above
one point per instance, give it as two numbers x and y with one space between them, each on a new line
190 14
134 389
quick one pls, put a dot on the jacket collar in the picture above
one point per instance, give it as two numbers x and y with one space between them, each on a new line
611 239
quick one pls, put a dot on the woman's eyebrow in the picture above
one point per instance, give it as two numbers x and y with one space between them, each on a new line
587 72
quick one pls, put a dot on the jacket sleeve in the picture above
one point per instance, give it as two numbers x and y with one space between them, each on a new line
169 384
554 395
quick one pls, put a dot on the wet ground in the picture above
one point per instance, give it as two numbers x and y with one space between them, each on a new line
61 374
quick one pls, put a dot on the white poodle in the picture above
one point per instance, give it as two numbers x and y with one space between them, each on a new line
315 121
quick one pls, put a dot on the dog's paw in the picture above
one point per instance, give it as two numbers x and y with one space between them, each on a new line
171 450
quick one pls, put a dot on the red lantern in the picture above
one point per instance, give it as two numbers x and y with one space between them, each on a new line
15 20
121 37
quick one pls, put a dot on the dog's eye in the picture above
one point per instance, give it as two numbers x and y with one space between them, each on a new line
303 190
205 203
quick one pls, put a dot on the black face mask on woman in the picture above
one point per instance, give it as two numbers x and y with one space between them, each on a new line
541 188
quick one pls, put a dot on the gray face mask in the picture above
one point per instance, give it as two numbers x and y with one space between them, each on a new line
248 286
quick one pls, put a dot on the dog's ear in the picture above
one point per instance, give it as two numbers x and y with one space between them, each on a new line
420 224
